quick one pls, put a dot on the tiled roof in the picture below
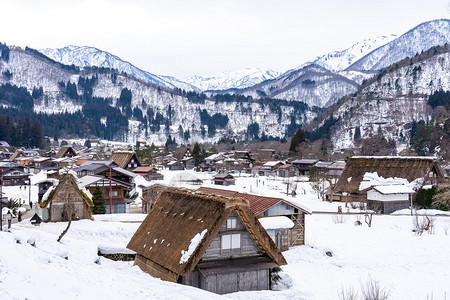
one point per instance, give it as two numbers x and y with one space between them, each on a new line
258 204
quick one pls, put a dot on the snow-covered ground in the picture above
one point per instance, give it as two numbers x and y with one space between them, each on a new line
406 265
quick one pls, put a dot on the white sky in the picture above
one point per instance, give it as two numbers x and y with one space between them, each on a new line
206 37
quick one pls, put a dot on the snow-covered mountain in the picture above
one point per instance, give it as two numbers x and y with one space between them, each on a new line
416 40
341 60
390 101
232 79
89 56
312 84
139 110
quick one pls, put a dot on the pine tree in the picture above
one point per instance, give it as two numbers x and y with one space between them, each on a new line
297 139
99 202
197 154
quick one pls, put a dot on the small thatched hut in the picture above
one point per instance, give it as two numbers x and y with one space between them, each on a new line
408 167
210 242
66 200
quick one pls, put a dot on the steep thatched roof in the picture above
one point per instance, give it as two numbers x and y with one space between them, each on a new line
122 158
65 151
180 152
18 153
410 168
179 215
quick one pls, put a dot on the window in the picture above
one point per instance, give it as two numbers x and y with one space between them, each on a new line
114 193
231 241
231 223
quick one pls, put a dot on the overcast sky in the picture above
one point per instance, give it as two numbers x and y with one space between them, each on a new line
205 37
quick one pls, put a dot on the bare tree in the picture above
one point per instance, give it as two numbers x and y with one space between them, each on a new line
348 294
426 223
373 291
68 210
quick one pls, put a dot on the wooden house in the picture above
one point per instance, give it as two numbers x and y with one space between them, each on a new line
224 179
149 173
269 206
409 168
304 165
389 198
66 151
114 192
270 167
15 177
126 159
286 171
183 156
65 199
209 242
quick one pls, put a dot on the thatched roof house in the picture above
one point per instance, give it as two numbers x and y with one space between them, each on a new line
409 167
65 151
205 241
263 206
126 159
66 197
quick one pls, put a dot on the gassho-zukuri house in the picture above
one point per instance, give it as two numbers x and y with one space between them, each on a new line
361 173
210 242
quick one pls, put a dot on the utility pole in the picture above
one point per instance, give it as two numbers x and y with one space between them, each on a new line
1 200
110 188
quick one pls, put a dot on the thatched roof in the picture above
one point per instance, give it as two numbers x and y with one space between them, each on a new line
122 158
65 151
64 182
410 168
18 153
180 215
180 152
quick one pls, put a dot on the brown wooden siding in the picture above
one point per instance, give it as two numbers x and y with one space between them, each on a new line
297 233
247 245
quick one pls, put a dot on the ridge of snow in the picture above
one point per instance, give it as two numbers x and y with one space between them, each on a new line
85 56
186 254
241 78
341 60
420 38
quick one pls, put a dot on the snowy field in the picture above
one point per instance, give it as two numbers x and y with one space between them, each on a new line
33 265
408 266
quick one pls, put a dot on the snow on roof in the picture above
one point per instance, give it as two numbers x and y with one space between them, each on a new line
394 189
123 171
214 156
277 222
185 255
371 179
272 163
397 157
89 179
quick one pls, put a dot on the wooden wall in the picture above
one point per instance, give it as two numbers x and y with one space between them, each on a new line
247 245
297 233
223 283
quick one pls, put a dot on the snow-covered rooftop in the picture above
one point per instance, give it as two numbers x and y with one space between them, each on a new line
394 189
278 222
